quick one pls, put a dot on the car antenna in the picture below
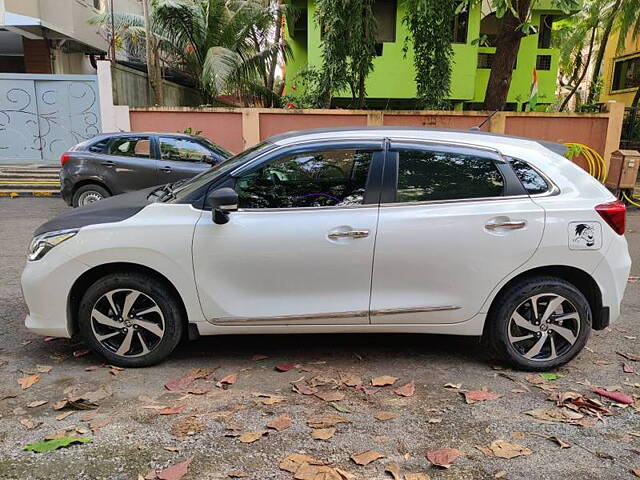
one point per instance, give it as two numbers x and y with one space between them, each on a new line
478 127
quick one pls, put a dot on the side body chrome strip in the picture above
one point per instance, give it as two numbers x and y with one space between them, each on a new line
320 316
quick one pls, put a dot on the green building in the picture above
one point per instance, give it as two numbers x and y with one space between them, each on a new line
391 84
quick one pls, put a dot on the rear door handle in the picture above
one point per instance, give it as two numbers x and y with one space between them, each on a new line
108 163
349 234
510 225
166 169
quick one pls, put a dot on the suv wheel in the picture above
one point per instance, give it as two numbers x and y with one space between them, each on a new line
130 319
539 323
88 194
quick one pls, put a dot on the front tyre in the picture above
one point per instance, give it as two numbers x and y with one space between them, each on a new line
130 319
538 324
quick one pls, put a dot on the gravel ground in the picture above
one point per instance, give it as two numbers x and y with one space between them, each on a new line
130 437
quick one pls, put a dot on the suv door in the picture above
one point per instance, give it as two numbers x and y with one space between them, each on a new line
453 223
300 247
128 163
181 158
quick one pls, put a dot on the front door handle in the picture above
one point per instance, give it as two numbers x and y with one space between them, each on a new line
510 225
349 234
166 169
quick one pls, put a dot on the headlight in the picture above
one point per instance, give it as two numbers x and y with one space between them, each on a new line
41 244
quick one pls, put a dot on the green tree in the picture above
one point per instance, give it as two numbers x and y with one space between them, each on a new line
348 32
430 25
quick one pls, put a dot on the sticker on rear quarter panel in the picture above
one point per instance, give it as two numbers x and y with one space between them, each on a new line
585 235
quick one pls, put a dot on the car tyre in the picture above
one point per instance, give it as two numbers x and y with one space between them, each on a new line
131 319
518 333
88 194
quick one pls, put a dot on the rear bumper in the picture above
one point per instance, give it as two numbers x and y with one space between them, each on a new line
66 188
611 276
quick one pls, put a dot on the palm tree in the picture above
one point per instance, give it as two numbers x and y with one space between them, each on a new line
228 47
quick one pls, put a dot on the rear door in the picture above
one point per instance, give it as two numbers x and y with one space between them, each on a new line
128 163
180 158
453 223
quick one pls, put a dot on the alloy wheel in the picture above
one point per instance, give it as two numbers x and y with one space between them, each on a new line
127 322
544 327
89 197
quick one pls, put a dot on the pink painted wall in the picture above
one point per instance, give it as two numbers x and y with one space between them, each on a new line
223 128
436 121
274 123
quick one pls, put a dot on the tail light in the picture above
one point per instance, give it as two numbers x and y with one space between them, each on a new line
614 213
64 159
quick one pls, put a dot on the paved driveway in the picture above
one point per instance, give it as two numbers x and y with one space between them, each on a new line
209 423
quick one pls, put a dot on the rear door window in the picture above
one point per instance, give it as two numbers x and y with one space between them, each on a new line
130 147
429 175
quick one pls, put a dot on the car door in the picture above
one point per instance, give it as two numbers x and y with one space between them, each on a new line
453 223
128 163
180 158
300 247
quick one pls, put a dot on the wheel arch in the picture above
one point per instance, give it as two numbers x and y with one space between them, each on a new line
89 277
575 276
91 181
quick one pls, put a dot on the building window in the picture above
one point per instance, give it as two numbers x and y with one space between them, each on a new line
385 12
543 62
489 29
626 74
544 34
485 60
460 27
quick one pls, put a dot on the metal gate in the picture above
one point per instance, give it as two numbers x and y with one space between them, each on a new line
41 116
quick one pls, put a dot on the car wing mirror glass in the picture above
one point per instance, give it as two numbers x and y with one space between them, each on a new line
222 202
209 159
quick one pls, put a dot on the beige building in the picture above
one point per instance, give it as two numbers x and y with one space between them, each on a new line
54 36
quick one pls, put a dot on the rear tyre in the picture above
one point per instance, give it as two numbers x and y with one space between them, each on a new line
130 319
88 194
538 324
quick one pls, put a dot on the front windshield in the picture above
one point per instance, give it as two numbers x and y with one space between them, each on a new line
223 152
187 188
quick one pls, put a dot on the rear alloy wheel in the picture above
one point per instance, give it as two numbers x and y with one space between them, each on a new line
130 319
540 323
88 194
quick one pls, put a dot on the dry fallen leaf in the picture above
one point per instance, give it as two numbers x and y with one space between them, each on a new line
97 424
280 423
237 474
407 390
186 426
259 356
504 449
332 396
384 416
229 379
303 389
416 476
393 469
383 381
326 421
291 463
636 472
175 472
561 443
36 403
30 423
351 380
444 457
81 353
323 433
454 386
618 397
182 383
365 458
27 381
44 368
64 415
285 367
270 400
475 396
172 410
250 437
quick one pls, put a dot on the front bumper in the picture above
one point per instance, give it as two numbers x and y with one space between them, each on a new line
46 285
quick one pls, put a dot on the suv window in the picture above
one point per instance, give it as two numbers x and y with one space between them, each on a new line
99 146
430 175
531 180
182 149
314 179
130 147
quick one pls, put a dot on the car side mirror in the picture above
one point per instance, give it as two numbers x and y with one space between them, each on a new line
222 202
210 159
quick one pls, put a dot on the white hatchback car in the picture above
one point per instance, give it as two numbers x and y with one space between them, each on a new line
343 230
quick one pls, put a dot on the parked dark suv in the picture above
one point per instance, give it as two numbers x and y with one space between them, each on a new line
115 163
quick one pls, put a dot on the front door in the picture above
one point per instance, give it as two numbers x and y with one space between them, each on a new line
300 248
180 158
128 164
458 222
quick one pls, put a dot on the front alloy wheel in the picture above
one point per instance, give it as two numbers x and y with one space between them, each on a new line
132 319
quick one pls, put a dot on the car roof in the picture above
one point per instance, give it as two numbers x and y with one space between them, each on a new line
164 134
467 137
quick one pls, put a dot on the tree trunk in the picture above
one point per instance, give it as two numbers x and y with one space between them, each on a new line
154 69
507 47
584 73
278 39
603 45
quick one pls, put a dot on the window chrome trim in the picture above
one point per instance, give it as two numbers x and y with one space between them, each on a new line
302 209
445 143
456 200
